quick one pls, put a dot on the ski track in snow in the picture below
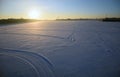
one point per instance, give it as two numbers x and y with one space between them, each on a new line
70 38
34 35
40 64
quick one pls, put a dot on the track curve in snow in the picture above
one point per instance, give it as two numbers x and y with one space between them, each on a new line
15 63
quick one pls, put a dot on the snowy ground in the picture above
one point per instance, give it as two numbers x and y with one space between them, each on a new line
73 48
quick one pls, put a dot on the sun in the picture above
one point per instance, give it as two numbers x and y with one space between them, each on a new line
34 14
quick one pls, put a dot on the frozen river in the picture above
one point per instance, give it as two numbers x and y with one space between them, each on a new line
68 48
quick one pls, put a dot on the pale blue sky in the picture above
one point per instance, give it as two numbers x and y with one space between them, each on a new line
52 9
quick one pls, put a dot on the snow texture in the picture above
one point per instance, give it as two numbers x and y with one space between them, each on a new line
73 48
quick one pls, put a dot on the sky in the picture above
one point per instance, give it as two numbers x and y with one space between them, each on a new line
54 9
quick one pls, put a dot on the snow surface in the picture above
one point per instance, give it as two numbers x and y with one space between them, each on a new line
74 48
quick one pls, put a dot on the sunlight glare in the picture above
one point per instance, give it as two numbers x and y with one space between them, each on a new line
34 14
